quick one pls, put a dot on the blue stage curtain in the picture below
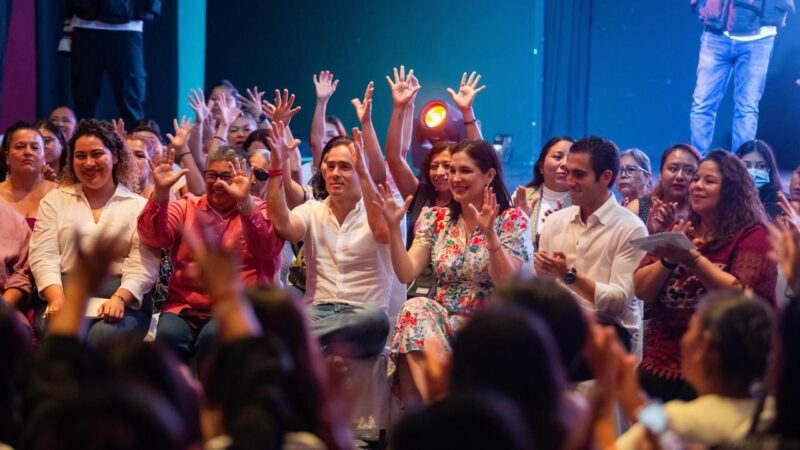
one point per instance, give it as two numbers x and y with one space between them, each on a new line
567 39
5 22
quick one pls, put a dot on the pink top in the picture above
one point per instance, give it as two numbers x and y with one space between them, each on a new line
253 237
14 251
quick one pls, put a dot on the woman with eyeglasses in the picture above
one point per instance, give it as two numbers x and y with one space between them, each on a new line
55 149
96 197
669 201
635 179
727 226
759 159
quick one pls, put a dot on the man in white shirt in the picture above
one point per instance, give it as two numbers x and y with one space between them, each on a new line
587 246
348 265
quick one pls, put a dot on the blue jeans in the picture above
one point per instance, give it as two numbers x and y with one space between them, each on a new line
349 330
719 57
185 340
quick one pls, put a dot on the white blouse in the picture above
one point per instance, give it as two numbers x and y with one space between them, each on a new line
65 210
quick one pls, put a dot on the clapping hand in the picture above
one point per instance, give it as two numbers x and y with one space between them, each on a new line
402 91
785 240
675 254
488 213
466 91
550 266
182 129
393 212
325 85
364 108
201 108
662 216
521 201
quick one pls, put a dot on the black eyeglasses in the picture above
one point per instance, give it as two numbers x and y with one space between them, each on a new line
212 177
260 174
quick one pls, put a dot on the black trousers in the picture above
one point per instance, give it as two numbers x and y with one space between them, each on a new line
120 54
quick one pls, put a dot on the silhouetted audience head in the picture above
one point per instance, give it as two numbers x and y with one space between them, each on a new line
727 342
512 352
556 306
475 420
122 417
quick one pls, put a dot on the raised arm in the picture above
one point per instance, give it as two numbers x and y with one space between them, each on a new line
463 99
502 265
229 111
408 119
375 218
407 265
254 103
158 224
325 86
288 225
179 142
402 95
202 111
372 148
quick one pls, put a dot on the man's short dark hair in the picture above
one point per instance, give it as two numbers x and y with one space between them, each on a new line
603 155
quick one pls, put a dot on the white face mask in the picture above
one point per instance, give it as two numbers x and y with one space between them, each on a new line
760 176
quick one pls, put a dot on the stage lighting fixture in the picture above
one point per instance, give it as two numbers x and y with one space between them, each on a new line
438 121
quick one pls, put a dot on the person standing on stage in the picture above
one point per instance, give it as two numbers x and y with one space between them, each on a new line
737 38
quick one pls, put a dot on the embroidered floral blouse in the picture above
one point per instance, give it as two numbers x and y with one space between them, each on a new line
460 257
744 257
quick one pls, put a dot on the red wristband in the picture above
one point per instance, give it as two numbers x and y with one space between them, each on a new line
275 173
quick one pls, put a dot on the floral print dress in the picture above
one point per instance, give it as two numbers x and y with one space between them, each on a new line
460 259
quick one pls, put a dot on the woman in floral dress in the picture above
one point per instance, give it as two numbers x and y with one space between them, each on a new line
477 241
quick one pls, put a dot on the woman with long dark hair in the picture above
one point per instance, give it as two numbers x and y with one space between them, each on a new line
759 159
475 243
727 224
548 191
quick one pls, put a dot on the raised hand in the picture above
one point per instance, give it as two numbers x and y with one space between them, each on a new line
239 187
325 85
163 175
364 108
402 92
280 149
228 109
119 128
521 201
488 212
790 211
466 91
392 212
201 108
282 110
182 129
413 84
253 101
357 152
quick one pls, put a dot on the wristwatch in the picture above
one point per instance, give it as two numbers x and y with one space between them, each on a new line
570 276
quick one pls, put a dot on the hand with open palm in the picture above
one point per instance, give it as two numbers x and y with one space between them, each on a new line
402 90
163 175
486 216
392 212
466 91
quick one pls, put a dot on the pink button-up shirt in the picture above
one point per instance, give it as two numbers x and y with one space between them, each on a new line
252 236
14 251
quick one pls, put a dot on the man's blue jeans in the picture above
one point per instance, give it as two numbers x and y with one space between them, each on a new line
720 56
348 330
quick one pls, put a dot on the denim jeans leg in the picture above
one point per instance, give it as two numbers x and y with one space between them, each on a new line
749 78
713 73
134 324
176 334
206 339
349 330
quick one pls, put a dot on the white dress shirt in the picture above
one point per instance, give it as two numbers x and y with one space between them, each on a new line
600 250
344 263
66 210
